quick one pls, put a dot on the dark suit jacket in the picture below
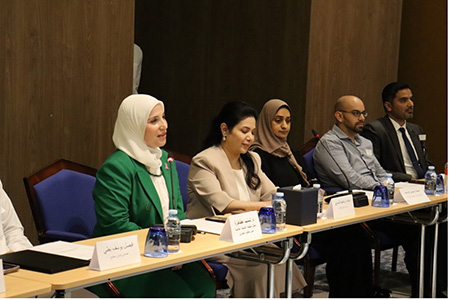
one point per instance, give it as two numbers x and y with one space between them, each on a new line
387 148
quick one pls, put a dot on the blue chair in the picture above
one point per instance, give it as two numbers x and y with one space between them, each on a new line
61 201
183 171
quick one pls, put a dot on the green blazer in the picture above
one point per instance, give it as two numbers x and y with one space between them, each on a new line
125 197
126 200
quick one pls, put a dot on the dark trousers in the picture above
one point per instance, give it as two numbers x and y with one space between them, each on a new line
349 261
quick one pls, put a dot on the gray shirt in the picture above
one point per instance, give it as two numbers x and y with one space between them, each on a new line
356 160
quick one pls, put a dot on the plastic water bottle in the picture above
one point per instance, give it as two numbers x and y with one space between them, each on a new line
173 230
319 199
430 181
390 185
440 188
279 207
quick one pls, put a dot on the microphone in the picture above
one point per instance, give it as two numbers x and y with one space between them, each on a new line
315 134
170 160
359 198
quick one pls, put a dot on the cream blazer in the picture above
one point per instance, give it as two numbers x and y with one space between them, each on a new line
211 183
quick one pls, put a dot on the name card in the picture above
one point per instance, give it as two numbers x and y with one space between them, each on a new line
340 207
115 253
2 278
411 195
241 227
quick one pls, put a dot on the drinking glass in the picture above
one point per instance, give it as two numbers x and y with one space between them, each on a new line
267 220
380 196
156 242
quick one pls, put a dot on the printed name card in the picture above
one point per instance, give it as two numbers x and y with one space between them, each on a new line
340 207
115 253
2 278
241 227
411 195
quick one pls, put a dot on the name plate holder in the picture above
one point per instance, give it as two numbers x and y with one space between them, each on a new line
241 227
115 253
2 278
411 195
340 207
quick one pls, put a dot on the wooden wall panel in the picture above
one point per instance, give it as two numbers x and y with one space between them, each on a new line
200 54
353 49
423 64
64 68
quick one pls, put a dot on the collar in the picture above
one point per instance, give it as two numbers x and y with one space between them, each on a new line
396 125
341 135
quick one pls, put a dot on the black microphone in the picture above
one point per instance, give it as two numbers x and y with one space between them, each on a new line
359 198
315 133
170 160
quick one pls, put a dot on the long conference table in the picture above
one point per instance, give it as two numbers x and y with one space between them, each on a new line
204 246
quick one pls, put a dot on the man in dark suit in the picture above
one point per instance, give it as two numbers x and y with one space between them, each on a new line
400 149
398 145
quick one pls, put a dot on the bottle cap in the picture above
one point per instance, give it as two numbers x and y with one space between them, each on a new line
388 174
173 212
431 167
316 185
280 194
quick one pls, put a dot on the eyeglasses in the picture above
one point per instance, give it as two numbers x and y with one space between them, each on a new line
356 113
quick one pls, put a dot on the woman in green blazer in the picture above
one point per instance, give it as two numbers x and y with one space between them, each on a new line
133 191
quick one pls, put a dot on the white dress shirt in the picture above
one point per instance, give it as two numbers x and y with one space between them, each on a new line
409 168
12 237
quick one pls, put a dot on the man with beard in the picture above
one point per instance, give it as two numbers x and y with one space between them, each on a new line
398 145
344 159
400 148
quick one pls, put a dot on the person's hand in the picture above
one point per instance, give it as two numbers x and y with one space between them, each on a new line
265 203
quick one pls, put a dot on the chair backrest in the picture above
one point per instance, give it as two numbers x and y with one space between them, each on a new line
308 164
60 196
183 171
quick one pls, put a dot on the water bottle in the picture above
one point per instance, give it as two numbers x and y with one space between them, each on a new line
440 188
319 199
390 185
430 181
279 207
173 230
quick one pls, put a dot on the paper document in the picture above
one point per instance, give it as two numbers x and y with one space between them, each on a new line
66 249
205 226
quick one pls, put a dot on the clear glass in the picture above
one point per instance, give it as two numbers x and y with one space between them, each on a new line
380 196
440 187
156 242
267 220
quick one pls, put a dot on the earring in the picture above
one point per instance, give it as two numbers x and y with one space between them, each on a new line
224 138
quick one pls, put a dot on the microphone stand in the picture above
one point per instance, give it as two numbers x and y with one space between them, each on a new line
170 160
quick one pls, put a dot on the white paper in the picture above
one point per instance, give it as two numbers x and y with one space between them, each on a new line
115 253
241 227
411 195
204 226
67 249
340 207
2 278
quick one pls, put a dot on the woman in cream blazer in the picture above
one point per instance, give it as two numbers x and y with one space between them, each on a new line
226 177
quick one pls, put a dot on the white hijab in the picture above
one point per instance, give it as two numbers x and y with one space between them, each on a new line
129 131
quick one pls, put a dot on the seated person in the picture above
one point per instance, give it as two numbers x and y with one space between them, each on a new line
226 177
398 145
133 191
346 250
343 158
12 237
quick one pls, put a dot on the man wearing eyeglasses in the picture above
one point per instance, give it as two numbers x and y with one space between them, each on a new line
344 159
398 145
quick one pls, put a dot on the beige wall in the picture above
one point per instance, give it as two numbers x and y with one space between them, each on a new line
65 66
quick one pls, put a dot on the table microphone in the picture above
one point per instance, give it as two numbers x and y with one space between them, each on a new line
315 133
170 160
359 198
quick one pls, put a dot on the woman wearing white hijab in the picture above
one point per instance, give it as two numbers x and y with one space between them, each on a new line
133 191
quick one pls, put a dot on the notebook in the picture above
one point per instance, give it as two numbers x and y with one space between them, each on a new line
43 262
